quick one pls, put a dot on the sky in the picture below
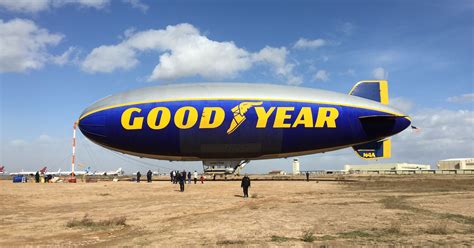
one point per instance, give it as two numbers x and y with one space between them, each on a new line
59 56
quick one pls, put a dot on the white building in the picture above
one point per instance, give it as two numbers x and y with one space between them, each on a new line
296 167
456 164
386 167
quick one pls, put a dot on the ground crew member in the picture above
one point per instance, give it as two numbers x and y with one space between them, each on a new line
195 175
189 177
37 177
181 180
245 185
149 174
202 179
138 176
307 176
183 174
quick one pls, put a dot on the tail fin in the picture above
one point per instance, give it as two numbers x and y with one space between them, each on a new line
375 90
2 168
43 170
374 150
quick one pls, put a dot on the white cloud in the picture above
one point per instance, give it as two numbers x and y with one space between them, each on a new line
347 28
303 43
321 75
276 57
18 142
465 98
65 57
444 134
23 45
33 6
44 138
379 73
402 103
110 58
137 4
350 72
186 52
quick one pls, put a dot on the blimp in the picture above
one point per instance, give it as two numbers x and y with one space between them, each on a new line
226 125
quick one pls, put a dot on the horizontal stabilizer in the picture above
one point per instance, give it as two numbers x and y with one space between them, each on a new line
374 150
375 90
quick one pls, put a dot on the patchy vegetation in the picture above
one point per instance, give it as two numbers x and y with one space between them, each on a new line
308 236
418 185
276 238
87 222
230 242
438 228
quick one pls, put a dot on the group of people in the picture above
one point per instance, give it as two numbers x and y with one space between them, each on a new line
149 176
177 177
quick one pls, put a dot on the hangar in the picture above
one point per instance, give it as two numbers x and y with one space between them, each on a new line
456 164
386 167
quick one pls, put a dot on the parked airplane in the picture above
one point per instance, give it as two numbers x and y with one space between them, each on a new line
118 172
29 173
230 124
87 171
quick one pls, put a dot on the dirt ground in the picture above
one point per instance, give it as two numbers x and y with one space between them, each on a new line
376 211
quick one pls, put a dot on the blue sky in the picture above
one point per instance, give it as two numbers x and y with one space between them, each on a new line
67 53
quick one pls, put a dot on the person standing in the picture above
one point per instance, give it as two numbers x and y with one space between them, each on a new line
183 174
138 176
195 175
149 174
202 179
307 176
245 185
181 180
171 176
189 177
37 177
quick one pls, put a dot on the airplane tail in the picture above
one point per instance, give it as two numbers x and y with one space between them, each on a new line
43 170
2 168
375 90
374 150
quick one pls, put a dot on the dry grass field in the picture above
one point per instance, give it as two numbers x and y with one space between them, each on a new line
421 210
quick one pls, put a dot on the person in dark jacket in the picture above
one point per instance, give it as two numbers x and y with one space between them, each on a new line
189 177
149 174
37 177
171 176
307 176
183 174
245 185
138 176
181 179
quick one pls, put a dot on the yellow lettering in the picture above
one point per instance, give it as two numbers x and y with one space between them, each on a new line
263 116
164 119
137 122
179 117
305 117
325 118
369 155
206 117
281 116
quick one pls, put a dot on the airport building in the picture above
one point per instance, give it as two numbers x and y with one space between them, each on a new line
277 172
456 164
386 167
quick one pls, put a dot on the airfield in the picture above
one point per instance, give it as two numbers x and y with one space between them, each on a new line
425 210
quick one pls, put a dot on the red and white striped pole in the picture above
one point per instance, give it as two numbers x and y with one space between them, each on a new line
73 148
